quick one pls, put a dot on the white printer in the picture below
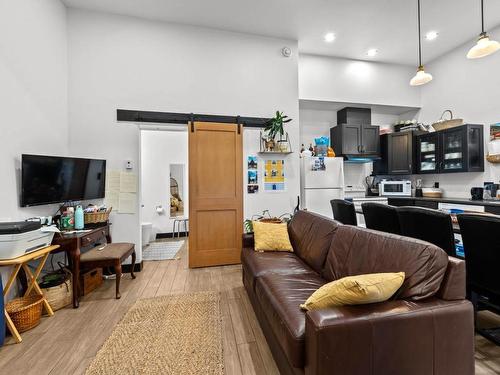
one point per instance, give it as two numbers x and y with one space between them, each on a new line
18 238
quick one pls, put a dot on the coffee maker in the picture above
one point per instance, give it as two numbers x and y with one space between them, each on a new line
371 186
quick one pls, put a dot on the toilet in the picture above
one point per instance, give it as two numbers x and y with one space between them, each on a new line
147 233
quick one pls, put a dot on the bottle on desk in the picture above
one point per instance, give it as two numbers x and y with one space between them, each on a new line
79 218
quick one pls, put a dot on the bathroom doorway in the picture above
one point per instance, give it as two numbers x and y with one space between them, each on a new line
164 191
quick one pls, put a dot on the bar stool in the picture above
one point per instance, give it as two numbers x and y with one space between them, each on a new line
179 221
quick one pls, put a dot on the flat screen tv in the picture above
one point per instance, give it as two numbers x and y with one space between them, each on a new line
55 179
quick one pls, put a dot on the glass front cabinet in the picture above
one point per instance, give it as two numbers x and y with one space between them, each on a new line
459 149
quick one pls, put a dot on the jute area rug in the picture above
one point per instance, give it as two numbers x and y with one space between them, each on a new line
178 334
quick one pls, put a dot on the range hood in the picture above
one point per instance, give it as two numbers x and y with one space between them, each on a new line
358 159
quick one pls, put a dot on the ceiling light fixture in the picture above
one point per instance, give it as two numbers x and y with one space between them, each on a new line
329 37
431 35
484 45
421 78
372 52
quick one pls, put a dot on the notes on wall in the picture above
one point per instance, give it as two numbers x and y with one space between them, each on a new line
121 191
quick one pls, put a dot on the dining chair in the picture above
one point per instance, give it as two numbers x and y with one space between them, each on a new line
480 236
428 225
344 211
381 217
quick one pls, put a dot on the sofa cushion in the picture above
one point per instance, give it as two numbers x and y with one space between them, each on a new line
355 290
271 237
311 236
256 264
356 251
280 296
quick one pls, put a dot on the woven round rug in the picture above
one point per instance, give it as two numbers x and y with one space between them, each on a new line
177 334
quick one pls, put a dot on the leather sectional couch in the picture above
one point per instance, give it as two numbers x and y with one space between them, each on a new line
426 328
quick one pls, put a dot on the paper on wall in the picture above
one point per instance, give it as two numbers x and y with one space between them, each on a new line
113 181
112 199
128 182
127 203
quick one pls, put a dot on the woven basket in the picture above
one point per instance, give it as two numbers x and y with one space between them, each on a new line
59 296
97 217
25 312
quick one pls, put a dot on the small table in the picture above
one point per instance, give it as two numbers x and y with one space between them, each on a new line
22 261
74 244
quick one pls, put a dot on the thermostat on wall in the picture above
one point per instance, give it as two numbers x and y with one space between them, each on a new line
128 164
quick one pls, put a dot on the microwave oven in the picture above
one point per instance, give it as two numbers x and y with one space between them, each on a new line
397 188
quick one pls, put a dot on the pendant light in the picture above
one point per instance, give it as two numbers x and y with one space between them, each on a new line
421 78
484 46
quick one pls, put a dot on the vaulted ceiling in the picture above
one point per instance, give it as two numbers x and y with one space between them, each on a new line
386 25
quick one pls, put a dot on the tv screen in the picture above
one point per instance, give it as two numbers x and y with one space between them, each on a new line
54 179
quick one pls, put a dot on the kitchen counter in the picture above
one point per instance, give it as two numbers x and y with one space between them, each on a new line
492 206
452 200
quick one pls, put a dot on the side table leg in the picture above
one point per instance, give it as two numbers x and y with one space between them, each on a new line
75 261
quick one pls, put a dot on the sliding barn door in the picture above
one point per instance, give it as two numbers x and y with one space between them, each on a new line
215 194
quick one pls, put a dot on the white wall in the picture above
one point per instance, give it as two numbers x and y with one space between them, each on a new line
160 149
470 88
123 62
342 80
33 93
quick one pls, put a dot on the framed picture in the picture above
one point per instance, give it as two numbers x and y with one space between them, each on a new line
252 189
252 177
274 175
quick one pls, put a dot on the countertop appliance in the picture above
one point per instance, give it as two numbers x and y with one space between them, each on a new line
18 238
395 188
321 180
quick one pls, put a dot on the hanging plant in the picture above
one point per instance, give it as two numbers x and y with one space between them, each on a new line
275 125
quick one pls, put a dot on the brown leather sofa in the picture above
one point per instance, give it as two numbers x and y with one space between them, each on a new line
426 328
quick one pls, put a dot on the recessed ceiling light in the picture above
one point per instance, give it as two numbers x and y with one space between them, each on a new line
372 52
329 37
431 35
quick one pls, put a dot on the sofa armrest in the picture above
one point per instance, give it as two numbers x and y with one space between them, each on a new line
248 240
453 284
394 337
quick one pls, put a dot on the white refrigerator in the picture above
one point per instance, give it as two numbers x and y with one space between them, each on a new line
319 185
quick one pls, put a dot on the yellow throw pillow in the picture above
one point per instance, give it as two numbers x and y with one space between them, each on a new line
271 237
355 290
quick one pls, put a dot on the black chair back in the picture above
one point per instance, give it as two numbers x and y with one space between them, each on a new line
344 211
428 225
381 217
481 238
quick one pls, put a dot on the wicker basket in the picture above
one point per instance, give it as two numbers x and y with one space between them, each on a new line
59 296
25 312
97 217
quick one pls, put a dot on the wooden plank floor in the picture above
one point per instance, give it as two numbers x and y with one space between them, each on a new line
66 343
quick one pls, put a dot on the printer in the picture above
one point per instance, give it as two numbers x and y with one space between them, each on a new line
21 237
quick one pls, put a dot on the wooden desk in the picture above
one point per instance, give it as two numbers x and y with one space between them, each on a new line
19 262
73 244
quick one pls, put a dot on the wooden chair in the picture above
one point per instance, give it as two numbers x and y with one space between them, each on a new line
111 255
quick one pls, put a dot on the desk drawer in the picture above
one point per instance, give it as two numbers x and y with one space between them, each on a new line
98 235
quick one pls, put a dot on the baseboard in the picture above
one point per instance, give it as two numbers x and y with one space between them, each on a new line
170 235
137 267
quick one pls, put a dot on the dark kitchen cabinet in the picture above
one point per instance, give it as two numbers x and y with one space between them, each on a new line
397 154
357 140
458 149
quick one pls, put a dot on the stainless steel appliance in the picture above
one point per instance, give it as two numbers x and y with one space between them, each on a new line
395 188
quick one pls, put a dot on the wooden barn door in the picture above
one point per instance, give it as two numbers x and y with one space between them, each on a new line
215 194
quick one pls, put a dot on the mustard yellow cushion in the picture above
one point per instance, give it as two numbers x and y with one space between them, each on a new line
355 290
271 237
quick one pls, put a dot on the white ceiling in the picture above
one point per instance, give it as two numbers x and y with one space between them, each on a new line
388 25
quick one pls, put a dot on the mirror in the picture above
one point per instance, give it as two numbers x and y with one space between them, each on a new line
176 190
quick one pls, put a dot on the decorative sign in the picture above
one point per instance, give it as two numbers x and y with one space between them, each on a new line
274 175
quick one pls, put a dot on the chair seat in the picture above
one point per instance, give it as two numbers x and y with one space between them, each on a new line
111 252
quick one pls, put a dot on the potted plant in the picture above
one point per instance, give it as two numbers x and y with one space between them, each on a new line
274 127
